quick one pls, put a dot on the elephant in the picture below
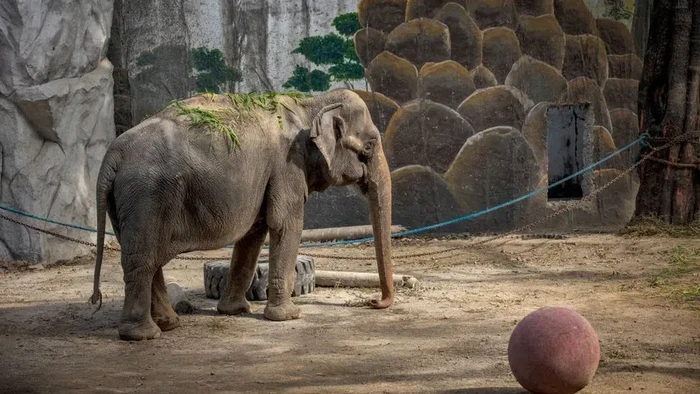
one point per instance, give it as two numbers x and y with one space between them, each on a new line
209 171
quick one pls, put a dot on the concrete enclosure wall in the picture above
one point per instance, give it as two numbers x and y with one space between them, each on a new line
56 119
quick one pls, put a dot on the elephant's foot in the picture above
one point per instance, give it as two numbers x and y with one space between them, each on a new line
137 331
226 307
167 322
286 311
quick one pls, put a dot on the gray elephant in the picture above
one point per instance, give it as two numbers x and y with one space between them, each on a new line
219 169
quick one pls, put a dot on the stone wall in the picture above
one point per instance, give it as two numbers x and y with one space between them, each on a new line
56 119
466 86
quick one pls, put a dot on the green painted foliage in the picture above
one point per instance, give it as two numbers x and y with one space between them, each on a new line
213 71
617 10
347 24
333 51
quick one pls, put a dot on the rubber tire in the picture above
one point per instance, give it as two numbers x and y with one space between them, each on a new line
216 275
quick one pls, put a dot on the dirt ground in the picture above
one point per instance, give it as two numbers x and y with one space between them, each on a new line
449 335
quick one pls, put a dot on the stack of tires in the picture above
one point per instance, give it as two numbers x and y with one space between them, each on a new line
216 276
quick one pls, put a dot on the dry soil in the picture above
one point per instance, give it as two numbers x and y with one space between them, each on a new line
448 335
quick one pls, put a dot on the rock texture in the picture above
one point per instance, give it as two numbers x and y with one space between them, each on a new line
585 57
56 120
493 13
581 90
618 39
493 167
421 197
497 106
501 49
393 76
368 44
483 77
446 82
538 80
465 36
575 17
384 15
542 38
381 108
628 66
336 207
626 126
426 133
420 41
535 133
621 93
534 7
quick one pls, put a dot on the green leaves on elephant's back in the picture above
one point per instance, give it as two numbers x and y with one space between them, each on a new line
219 112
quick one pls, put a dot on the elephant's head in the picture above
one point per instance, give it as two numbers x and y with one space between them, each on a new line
349 150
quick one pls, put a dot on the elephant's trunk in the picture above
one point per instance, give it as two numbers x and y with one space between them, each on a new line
379 195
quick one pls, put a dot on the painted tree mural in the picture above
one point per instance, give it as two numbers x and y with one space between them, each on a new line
333 52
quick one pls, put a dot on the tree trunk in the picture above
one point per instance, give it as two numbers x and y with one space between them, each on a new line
668 108
640 25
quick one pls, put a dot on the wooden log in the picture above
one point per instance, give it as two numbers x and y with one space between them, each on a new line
359 279
178 299
339 233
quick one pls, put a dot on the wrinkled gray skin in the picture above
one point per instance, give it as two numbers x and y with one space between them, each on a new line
169 189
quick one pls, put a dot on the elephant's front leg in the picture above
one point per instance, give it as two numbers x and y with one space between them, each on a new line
284 244
242 271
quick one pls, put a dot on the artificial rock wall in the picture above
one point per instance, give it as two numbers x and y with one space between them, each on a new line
56 119
461 92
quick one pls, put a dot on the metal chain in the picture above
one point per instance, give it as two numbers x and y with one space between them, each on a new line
528 226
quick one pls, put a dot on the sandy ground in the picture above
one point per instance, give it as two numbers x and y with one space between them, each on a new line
449 335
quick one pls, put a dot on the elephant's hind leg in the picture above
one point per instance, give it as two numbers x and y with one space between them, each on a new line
136 322
242 271
161 310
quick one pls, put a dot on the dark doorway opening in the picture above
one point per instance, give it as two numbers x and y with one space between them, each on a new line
566 127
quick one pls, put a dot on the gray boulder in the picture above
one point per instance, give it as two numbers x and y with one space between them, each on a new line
381 108
336 207
501 49
627 66
618 39
493 167
420 41
538 80
535 133
421 197
465 36
425 133
369 43
446 83
483 77
621 93
501 105
575 17
383 15
626 126
393 76
585 57
542 38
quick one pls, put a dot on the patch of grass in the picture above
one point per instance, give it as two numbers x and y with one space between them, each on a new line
648 227
681 261
203 117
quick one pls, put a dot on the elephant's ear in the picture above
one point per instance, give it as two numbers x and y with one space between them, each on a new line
326 129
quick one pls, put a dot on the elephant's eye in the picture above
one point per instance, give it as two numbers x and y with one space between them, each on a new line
367 149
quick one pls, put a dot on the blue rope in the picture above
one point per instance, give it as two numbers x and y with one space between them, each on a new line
640 140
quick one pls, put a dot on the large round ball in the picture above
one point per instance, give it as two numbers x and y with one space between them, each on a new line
553 350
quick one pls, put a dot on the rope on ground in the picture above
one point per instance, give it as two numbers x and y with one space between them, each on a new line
565 208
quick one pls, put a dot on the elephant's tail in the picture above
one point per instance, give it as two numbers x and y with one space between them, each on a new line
105 183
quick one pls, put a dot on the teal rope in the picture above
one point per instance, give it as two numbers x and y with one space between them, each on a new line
640 140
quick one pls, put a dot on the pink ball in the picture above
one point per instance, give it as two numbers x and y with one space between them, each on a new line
553 350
